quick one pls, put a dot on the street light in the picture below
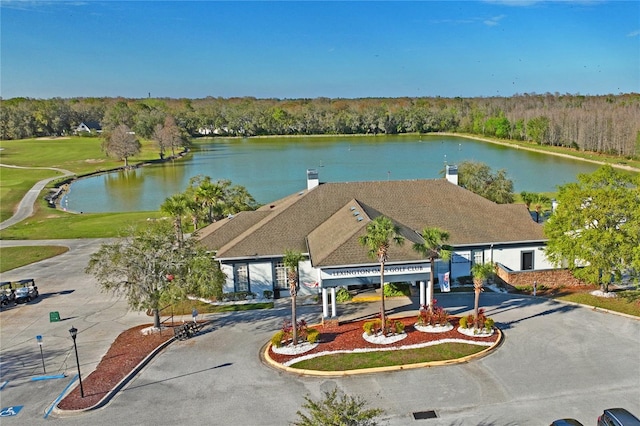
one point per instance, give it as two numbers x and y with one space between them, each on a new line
74 332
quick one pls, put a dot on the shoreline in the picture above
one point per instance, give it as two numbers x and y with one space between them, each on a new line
540 151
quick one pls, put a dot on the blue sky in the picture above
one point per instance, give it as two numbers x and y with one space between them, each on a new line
310 49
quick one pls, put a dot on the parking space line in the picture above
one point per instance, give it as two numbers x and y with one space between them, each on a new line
54 403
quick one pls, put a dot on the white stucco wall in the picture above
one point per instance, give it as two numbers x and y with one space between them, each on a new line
228 282
261 277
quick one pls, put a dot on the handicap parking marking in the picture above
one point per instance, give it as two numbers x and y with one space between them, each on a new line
11 411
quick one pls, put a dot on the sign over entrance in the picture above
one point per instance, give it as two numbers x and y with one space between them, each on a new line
372 271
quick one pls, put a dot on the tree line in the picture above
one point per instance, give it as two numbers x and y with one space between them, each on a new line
605 124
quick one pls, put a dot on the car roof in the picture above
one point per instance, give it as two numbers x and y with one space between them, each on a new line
623 416
566 422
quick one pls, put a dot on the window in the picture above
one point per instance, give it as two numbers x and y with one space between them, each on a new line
477 257
281 276
527 260
241 272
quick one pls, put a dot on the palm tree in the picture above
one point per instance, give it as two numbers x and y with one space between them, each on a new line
434 247
380 232
176 206
539 202
480 272
291 260
209 195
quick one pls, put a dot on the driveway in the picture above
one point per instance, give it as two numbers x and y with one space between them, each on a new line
557 360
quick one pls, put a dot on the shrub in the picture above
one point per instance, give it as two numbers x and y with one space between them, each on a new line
397 289
465 279
488 324
276 340
313 335
470 320
438 317
337 410
369 327
267 294
399 327
463 322
343 295
287 330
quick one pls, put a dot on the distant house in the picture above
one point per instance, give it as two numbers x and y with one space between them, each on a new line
89 127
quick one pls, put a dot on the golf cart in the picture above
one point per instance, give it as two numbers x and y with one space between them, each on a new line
7 295
26 290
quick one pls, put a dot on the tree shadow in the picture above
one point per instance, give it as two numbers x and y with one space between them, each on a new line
226 364
27 361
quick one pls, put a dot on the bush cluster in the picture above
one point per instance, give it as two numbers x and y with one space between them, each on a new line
343 295
397 289
375 327
438 315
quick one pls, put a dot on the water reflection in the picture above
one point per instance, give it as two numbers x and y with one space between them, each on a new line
272 168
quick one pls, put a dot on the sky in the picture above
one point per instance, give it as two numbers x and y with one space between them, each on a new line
310 49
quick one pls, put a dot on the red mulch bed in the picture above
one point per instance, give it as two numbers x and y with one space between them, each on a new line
348 336
126 352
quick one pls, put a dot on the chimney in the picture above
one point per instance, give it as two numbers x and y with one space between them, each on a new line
452 174
312 178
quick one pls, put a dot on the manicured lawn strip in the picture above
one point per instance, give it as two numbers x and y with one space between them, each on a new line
48 223
77 154
15 183
14 257
627 302
356 361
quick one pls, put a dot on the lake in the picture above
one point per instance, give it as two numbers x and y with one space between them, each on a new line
274 167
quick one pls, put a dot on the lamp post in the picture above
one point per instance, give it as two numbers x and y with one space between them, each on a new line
74 332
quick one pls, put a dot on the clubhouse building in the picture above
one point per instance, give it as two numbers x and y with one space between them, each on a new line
325 221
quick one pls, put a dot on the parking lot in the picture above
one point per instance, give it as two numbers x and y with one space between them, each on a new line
557 360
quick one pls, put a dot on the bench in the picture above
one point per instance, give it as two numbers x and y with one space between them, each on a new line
186 330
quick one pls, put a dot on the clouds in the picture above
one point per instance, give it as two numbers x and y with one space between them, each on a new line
492 22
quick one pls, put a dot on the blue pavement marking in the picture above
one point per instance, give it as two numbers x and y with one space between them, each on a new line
3 384
11 411
54 376
54 403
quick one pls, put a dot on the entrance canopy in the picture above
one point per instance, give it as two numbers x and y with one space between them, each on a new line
336 277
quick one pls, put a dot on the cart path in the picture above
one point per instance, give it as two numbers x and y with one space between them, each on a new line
25 208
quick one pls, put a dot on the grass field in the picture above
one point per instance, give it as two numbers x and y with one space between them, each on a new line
14 257
356 361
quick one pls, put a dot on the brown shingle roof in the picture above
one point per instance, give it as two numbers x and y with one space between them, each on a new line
322 218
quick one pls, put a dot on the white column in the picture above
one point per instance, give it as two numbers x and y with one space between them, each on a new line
422 294
430 292
325 304
333 302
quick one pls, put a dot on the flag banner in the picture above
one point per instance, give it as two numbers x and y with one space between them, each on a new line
443 280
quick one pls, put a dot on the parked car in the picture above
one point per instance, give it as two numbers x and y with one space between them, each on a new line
26 290
7 294
617 417
566 422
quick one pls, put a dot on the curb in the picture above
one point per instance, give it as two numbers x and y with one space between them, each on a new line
265 356
58 412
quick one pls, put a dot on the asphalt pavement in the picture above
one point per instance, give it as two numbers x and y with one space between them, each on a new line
557 360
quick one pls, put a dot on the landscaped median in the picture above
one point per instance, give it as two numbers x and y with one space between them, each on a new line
130 352
343 350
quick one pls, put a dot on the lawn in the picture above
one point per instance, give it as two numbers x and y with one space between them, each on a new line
627 302
48 223
355 361
14 257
